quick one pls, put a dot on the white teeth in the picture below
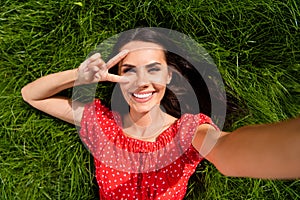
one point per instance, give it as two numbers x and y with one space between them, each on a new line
142 96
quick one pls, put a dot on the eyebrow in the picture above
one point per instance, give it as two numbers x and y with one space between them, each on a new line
147 66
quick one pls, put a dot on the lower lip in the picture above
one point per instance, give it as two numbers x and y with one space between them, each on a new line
142 100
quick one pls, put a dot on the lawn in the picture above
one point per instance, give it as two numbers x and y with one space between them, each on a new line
255 45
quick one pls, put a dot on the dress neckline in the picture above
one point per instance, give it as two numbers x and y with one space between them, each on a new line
158 135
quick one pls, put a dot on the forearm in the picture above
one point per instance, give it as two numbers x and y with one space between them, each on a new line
49 85
261 151
41 93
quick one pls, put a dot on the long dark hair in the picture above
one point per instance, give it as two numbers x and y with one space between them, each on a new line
185 77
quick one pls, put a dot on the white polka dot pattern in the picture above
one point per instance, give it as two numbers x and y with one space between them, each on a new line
143 180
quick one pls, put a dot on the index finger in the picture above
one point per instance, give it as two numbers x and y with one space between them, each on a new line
116 59
117 78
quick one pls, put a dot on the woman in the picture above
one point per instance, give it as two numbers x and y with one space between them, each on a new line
149 150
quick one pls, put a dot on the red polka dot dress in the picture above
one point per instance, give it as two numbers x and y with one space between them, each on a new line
128 168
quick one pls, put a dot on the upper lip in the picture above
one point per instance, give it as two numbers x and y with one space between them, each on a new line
142 92
136 94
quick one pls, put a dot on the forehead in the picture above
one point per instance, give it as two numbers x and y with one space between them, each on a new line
136 45
141 53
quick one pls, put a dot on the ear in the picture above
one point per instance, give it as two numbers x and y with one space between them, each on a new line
169 77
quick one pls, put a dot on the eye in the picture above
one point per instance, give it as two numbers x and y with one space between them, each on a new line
154 69
128 70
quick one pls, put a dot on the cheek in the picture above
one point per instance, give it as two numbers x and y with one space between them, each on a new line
160 78
161 89
166 77
124 88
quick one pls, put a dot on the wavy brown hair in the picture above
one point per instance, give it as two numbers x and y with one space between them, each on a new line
185 77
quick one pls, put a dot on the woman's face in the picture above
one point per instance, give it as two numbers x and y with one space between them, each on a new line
146 68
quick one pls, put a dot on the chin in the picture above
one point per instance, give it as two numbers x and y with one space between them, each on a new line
143 109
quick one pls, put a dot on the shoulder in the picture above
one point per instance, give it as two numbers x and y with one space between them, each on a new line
197 120
95 107
206 134
95 110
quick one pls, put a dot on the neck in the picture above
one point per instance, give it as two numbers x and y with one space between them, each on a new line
145 125
146 119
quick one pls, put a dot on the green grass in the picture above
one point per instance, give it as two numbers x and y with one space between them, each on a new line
255 44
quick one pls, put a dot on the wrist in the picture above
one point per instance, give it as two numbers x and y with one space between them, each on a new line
75 73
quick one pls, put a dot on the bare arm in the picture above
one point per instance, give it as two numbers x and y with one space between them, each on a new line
270 151
42 93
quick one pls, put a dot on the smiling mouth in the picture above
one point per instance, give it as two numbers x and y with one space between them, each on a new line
142 95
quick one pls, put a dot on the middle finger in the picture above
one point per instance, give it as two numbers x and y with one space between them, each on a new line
99 63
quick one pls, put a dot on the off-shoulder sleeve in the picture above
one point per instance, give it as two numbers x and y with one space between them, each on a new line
90 128
204 119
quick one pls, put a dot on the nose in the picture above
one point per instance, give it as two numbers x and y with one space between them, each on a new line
142 79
